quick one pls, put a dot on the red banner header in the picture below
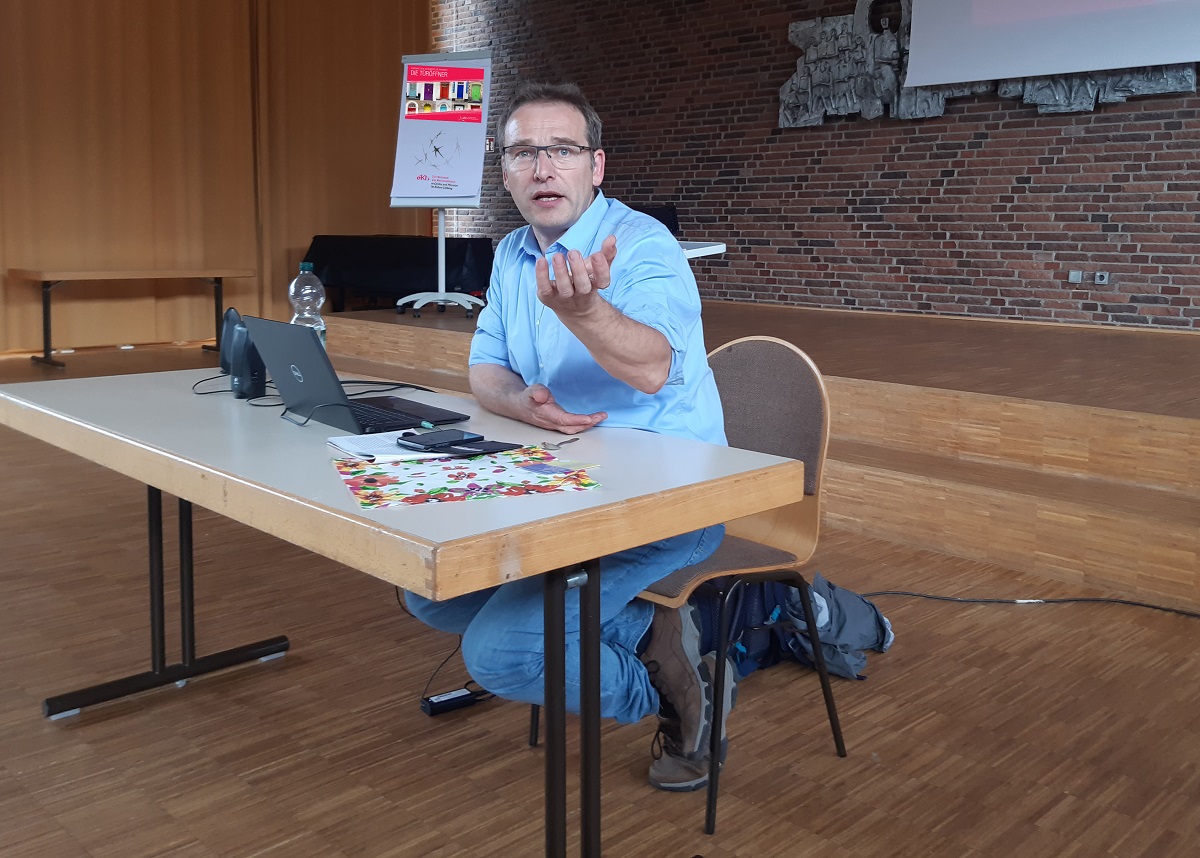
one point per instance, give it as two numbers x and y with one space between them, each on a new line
422 74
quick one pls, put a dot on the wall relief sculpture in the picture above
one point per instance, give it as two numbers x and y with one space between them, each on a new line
854 64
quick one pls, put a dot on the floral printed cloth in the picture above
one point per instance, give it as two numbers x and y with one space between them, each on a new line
527 471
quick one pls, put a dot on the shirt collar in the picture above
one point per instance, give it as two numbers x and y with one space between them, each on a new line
578 237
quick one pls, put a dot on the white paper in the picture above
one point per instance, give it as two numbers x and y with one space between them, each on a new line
378 447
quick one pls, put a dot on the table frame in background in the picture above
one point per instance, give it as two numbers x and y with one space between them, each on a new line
49 278
246 464
696 249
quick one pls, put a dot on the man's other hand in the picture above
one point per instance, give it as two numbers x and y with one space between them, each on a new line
545 412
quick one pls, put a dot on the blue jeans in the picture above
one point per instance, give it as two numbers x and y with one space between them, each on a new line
503 634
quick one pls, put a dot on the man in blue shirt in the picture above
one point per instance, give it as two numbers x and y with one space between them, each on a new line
593 318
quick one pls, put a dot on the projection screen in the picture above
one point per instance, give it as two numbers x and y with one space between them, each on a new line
955 41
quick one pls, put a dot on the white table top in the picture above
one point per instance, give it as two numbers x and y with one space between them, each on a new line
245 462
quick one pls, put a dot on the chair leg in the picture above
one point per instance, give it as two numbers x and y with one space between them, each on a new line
534 712
810 619
725 621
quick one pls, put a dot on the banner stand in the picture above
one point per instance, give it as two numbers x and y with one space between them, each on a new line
441 296
440 145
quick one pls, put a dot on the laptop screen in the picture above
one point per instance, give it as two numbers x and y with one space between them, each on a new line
310 388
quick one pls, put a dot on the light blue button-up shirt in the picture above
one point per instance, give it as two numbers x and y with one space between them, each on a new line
652 283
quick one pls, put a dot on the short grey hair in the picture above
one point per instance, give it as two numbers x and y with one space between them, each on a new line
551 93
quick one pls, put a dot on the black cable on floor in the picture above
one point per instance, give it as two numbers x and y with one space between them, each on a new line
1130 602
479 691
457 647
403 606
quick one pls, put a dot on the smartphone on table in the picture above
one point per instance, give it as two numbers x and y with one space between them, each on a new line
437 440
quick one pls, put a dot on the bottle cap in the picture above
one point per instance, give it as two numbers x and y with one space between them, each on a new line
306 266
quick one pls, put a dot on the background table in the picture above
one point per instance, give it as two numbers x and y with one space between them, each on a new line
696 249
49 278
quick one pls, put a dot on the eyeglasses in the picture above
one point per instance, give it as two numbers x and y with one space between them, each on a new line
565 156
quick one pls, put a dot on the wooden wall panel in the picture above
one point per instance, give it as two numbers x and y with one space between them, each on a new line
1151 450
330 84
124 135
1146 545
180 134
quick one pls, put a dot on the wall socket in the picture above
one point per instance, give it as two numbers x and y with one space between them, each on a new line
1074 276
1101 278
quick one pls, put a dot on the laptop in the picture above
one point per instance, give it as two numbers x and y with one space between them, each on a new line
297 363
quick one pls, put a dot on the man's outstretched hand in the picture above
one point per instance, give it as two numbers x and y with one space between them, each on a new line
577 279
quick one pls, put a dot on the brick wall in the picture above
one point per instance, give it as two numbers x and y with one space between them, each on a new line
981 212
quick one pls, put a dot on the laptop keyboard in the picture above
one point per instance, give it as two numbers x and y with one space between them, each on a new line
382 419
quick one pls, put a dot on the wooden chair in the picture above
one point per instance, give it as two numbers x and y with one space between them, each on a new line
775 402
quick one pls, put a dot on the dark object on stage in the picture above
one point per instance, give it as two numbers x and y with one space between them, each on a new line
360 271
664 213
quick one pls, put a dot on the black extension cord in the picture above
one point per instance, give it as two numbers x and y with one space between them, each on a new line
1067 600
459 698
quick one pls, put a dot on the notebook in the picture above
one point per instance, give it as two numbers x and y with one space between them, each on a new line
305 379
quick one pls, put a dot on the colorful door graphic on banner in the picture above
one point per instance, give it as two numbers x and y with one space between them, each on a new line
449 93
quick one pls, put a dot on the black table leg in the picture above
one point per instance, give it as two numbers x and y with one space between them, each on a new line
556 709
158 639
589 709
160 672
218 304
557 583
45 358
187 601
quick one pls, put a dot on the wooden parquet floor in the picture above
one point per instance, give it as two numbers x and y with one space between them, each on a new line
987 731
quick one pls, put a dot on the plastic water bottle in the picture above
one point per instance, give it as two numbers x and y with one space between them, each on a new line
307 295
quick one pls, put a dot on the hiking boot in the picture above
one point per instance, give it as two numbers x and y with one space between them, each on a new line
674 662
673 769
670 770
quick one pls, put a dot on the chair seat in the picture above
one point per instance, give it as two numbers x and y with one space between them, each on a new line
735 556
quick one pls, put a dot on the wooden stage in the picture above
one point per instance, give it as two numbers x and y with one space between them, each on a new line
1065 451
1148 370
1126 369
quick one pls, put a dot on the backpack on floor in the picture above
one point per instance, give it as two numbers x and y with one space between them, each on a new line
769 627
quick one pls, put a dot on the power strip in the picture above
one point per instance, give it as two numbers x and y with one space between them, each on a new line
448 701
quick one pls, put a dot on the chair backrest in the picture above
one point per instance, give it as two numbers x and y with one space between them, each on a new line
775 402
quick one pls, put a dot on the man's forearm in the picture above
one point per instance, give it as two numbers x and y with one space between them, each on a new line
629 351
503 392
497 388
